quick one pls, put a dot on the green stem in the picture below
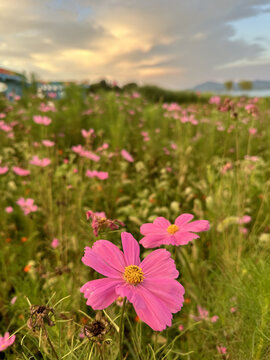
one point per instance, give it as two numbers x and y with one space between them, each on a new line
121 329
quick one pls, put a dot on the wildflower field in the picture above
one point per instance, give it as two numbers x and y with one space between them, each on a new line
134 230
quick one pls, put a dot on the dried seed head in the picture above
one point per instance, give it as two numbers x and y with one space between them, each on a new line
97 329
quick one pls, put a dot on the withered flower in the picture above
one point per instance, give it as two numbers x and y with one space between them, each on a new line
100 222
40 315
96 331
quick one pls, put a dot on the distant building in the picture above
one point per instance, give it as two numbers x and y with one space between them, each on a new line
51 89
11 83
56 89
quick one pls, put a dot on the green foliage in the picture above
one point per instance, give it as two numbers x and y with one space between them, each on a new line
157 94
245 85
228 85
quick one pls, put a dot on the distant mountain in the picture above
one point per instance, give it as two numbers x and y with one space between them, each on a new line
213 86
209 86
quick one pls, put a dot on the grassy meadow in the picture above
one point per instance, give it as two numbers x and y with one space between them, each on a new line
208 158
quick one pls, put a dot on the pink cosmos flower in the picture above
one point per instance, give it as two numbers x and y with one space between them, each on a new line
90 214
215 100
40 162
27 205
252 131
42 120
126 155
244 219
162 232
251 158
77 149
9 209
3 170
101 175
222 350
6 341
48 143
214 318
55 243
13 300
149 285
89 155
21 172
87 134
203 315
102 147
226 167
100 221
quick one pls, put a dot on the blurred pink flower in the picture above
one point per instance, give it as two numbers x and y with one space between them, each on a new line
9 209
252 131
243 230
222 350
203 314
126 155
101 175
42 120
3 170
6 341
226 167
102 147
77 149
244 219
215 100
88 133
162 232
40 162
13 300
99 222
48 143
21 172
180 327
251 158
214 318
89 155
149 285
90 214
55 243
233 309
27 205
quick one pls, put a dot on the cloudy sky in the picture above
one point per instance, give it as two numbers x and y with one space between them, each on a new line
173 43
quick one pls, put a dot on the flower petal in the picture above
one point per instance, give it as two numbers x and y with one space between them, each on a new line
154 240
169 291
97 262
100 293
183 238
154 312
159 265
183 219
161 222
131 249
197 226
110 253
148 228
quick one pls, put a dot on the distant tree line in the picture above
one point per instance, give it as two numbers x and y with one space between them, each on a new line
243 85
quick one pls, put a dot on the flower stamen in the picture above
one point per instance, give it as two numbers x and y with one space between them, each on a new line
172 229
133 274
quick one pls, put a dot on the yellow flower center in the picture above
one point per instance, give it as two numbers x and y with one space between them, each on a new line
172 229
133 274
